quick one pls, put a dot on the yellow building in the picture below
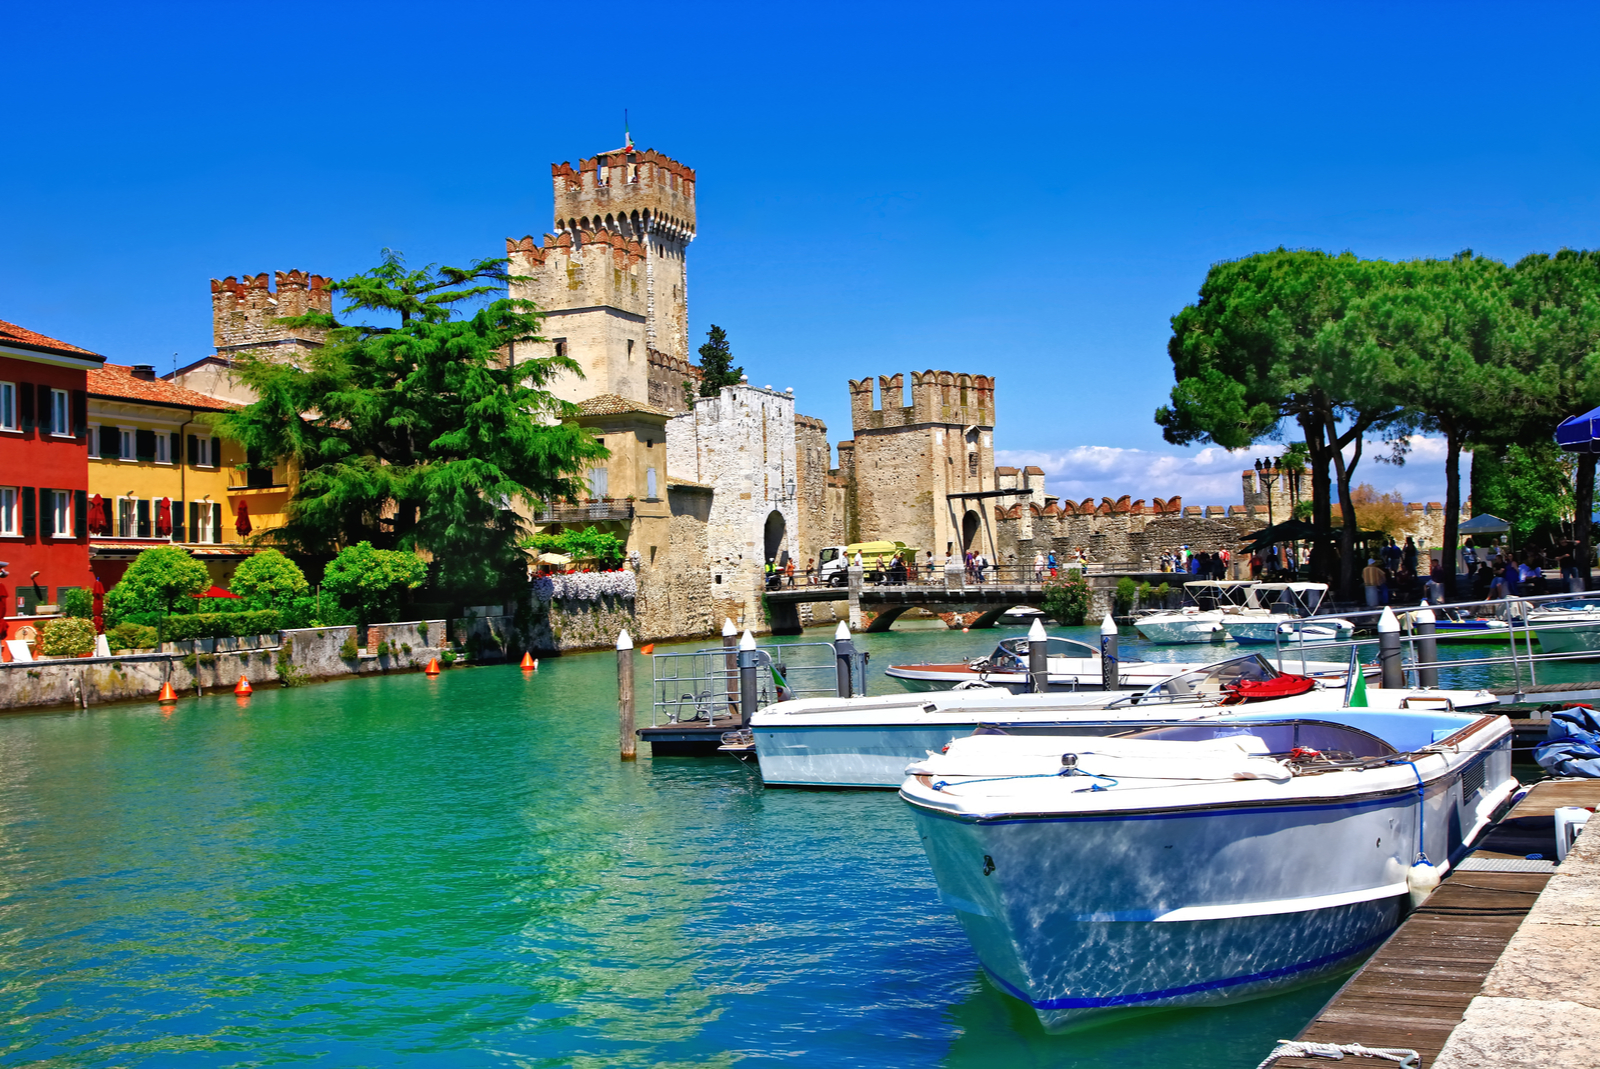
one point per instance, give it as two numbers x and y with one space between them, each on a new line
159 473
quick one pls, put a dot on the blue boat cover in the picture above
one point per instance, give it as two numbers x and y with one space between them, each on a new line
1571 745
1580 434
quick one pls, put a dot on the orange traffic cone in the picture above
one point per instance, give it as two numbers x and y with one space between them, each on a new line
167 695
433 667
529 664
648 648
242 687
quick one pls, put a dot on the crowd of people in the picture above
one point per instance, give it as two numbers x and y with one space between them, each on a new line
1204 563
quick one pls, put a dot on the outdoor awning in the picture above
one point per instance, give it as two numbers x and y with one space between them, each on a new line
1580 434
1296 531
214 592
1485 524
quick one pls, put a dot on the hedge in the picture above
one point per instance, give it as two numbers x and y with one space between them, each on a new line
68 636
219 625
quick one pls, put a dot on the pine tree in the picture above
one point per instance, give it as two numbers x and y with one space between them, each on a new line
716 359
420 436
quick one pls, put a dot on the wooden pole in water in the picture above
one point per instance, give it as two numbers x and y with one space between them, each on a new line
844 650
1038 658
730 664
747 678
1110 677
629 741
1394 672
1427 647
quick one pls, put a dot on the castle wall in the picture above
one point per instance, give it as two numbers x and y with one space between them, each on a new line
820 504
245 312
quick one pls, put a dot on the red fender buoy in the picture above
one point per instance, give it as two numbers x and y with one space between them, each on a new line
529 664
168 696
433 667
242 687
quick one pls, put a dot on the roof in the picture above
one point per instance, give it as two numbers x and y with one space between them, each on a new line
609 404
116 382
12 334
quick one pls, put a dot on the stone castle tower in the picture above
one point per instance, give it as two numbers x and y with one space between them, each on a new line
245 313
921 473
613 279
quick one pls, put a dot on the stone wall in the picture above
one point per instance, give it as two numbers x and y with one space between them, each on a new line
821 503
245 313
304 655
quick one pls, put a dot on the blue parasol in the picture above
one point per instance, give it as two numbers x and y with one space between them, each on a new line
1580 434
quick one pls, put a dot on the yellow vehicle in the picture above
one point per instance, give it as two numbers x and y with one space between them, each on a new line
878 557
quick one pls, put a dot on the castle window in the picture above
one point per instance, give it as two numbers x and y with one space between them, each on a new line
561 348
630 348
972 463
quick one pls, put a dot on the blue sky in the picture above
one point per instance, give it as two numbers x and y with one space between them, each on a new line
1026 191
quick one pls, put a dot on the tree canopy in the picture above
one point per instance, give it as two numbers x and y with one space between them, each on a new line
419 435
716 363
268 580
372 581
160 580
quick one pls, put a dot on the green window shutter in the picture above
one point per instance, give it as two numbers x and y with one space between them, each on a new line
46 520
176 454
29 517
194 518
144 445
80 413
144 517
110 443
216 452
177 521
45 426
216 519
25 405
194 450
80 513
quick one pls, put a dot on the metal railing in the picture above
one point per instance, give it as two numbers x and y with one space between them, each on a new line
702 687
583 513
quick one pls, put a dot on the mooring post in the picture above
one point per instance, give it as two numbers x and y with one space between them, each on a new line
853 576
630 745
1110 674
1038 658
747 678
955 574
844 649
1427 647
1394 673
730 664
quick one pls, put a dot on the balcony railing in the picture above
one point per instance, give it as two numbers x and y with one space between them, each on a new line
587 512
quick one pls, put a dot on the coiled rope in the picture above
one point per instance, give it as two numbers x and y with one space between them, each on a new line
1292 1048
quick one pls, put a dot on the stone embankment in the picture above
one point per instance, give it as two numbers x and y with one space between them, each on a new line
1540 1005
289 657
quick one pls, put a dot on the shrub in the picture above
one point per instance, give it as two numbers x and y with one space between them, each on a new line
67 636
1122 601
422 630
269 580
348 651
219 625
131 636
1067 602
79 603
371 581
159 580
447 658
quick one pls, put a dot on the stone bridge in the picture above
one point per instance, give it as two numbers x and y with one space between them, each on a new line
957 599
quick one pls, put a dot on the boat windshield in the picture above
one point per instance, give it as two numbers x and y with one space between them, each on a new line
1211 681
1014 651
1289 599
1580 604
1281 737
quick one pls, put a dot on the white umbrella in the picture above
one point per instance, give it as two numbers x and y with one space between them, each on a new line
1485 524
557 559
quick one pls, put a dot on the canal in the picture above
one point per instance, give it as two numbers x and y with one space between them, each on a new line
458 872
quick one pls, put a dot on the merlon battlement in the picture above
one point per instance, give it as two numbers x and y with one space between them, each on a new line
936 397
633 193
245 311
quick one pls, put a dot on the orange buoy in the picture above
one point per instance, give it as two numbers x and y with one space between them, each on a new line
167 695
529 664
433 667
242 687
648 648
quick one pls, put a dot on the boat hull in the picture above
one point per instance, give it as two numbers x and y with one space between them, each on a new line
1569 638
1266 632
1181 629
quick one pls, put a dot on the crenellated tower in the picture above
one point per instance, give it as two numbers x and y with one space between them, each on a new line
245 313
612 279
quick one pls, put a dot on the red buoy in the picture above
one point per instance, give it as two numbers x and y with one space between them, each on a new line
529 664
433 667
242 687
167 696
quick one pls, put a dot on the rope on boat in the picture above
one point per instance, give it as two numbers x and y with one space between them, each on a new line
940 785
1292 1048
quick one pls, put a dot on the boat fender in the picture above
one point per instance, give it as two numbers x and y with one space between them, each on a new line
1256 690
1422 879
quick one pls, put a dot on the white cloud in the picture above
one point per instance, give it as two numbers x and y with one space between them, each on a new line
1211 476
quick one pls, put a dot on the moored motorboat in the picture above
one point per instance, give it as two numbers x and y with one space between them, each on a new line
1201 862
1459 625
1200 619
1570 627
867 742
1278 612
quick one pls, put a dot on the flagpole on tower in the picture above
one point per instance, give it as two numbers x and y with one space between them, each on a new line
627 135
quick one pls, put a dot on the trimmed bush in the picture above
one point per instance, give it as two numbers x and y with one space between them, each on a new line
78 602
67 636
1127 590
131 636
219 625
1067 602
268 580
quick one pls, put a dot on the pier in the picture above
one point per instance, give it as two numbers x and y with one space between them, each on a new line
1488 972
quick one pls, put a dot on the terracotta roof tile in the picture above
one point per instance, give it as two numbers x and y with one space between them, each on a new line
609 404
10 332
119 383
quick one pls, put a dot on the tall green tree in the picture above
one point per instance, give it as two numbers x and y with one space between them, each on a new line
716 363
1530 486
412 432
372 581
160 579
1261 348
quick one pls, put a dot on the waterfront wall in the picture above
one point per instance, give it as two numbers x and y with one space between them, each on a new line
299 656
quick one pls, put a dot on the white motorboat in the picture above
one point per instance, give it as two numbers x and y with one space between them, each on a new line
1277 613
1199 863
1566 626
1074 666
1200 620
867 742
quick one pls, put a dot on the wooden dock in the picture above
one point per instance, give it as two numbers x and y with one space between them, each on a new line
1413 991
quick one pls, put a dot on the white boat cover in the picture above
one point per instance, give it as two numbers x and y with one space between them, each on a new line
1034 756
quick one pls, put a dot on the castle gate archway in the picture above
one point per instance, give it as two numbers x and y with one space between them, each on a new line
969 529
775 531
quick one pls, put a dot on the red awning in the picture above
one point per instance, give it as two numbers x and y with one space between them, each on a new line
214 592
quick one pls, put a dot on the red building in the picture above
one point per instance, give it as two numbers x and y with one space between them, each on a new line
44 470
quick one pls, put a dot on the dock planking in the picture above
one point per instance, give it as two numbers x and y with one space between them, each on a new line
1414 989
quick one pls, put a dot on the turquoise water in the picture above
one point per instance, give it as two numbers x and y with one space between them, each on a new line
459 872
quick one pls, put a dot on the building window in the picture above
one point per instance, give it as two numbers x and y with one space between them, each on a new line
597 482
127 444
650 483
972 463
61 512
204 528
203 458
561 348
163 449
125 517
94 440
8 510
8 406
60 413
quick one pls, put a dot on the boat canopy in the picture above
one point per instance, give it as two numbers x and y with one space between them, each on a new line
1209 594
1290 599
1212 680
